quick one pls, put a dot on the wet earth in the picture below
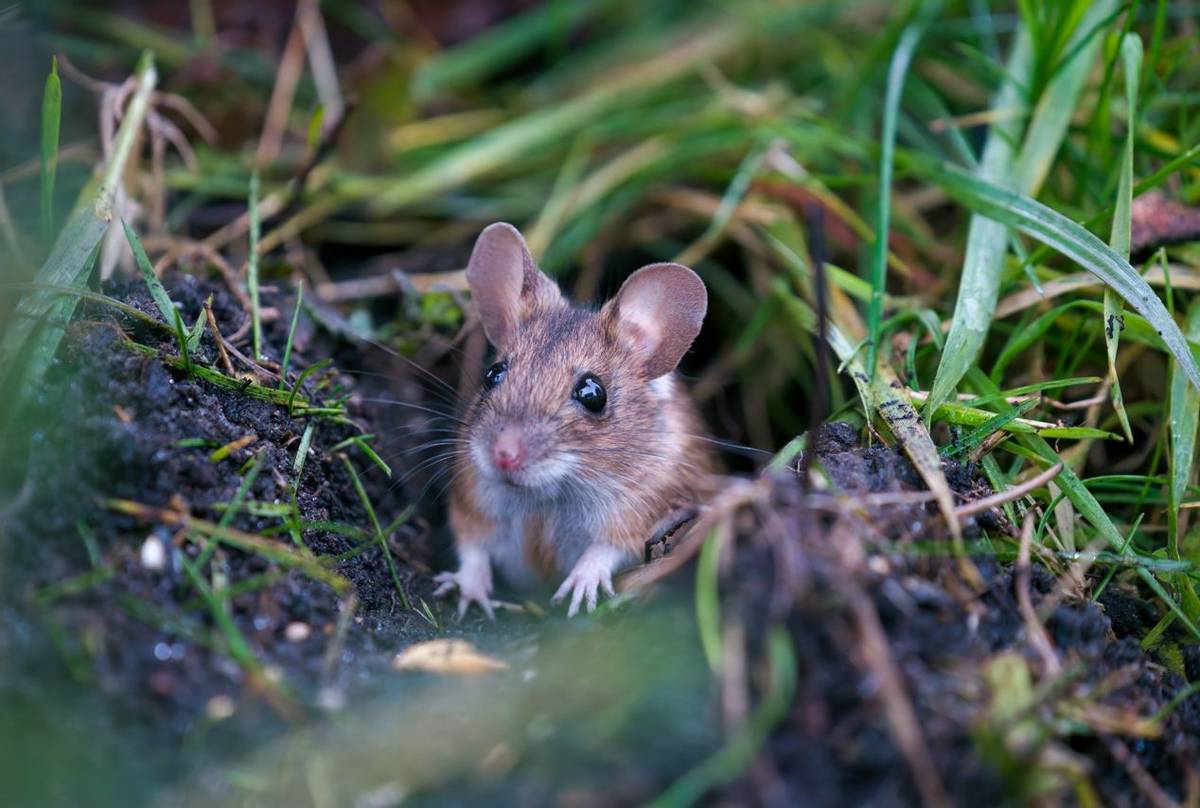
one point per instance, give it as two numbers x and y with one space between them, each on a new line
132 682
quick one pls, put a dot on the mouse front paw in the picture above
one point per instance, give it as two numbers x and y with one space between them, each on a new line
472 581
591 574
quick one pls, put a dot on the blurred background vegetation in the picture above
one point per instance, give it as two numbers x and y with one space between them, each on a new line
377 138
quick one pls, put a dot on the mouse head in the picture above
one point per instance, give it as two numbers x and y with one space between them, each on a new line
575 396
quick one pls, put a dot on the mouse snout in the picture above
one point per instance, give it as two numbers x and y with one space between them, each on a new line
508 449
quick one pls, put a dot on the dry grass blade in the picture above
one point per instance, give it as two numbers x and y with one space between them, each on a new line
901 717
510 141
886 395
1034 629
1014 493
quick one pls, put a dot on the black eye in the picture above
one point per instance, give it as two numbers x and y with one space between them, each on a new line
590 393
495 374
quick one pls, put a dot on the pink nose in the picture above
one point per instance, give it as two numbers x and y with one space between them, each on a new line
508 450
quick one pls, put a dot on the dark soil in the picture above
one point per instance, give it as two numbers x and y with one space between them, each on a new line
138 635
836 747
115 424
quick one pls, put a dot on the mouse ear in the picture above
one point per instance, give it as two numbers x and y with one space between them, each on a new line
506 285
657 313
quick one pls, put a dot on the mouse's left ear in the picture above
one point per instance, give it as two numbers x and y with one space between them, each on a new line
657 314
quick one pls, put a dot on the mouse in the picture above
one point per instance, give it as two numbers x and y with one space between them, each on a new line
580 437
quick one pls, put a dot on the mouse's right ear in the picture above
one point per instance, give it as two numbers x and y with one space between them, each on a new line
506 284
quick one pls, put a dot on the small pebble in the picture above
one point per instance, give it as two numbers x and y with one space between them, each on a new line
219 708
331 699
297 631
153 555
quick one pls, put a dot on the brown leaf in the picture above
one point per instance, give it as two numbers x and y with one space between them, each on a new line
447 658
1157 221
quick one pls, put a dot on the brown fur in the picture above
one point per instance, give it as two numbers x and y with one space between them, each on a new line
629 465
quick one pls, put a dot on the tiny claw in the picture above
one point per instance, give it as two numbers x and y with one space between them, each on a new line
473 581
590 575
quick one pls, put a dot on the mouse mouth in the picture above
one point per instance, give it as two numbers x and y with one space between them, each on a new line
535 475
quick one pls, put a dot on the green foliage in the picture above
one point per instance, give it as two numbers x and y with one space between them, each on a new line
51 122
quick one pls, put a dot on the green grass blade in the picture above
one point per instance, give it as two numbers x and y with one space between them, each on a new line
1035 447
287 349
51 121
542 127
1058 102
1031 333
1070 239
897 70
193 339
732 759
979 286
979 434
1089 508
1131 55
987 240
378 531
1184 414
366 448
24 354
484 55
181 338
708 601
157 290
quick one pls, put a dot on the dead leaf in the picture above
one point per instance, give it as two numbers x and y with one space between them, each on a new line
447 658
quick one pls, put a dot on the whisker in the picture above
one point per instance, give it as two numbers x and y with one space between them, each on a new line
397 403
432 480
423 428
429 462
416 365
442 396
732 445
433 444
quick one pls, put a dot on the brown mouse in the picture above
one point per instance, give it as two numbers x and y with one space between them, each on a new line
580 437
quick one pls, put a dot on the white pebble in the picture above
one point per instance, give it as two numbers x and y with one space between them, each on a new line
219 708
153 555
297 632
331 699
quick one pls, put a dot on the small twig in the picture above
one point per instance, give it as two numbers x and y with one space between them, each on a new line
1141 778
898 708
320 58
1016 492
188 112
391 283
733 496
1033 626
1082 404
217 338
255 367
333 651
177 250
283 94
